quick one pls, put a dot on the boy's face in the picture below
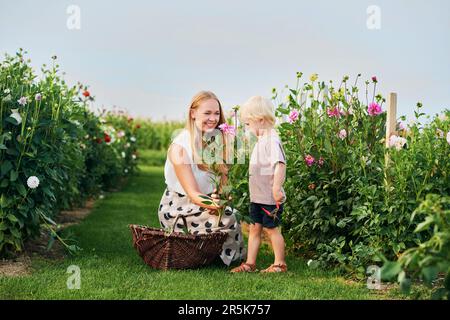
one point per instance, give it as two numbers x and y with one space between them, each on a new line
253 125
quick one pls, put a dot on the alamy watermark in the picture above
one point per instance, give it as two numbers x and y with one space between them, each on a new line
74 19
373 21
374 279
74 280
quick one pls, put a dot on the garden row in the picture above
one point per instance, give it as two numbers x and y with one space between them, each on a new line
55 152
352 200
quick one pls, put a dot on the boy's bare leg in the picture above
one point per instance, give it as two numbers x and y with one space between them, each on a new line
277 240
254 241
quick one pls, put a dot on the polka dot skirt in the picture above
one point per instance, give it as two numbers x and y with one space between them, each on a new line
173 203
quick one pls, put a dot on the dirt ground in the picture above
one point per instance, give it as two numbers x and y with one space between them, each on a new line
20 264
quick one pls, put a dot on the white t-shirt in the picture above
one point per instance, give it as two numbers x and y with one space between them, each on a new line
203 178
268 151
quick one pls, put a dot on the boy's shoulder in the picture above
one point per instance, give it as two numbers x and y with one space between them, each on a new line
271 139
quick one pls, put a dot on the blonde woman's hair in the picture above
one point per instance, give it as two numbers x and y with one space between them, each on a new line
197 142
257 108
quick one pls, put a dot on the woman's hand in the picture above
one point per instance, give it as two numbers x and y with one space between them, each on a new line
216 197
198 200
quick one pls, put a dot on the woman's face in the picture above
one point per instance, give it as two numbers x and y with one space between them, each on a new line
206 115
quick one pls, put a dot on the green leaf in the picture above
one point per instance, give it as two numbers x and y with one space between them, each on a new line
390 270
48 192
4 183
48 219
3 201
327 145
283 111
12 120
12 218
14 175
15 233
429 274
6 167
425 224
21 189
207 202
405 285
12 152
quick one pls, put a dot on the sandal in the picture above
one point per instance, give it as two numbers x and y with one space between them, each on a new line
244 267
275 268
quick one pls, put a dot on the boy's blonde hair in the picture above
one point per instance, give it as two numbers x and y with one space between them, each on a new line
258 107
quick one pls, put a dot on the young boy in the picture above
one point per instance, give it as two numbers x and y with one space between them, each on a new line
267 174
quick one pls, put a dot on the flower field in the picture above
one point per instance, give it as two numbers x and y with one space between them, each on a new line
353 198
351 195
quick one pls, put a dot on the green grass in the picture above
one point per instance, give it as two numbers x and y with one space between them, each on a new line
111 269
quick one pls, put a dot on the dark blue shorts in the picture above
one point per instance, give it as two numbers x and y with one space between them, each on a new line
259 216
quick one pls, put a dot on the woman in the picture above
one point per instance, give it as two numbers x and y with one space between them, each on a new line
187 179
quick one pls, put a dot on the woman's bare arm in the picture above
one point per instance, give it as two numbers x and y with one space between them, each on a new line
179 158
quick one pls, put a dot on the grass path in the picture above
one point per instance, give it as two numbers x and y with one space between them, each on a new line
111 269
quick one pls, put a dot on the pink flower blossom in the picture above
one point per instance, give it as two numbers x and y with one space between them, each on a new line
228 129
293 116
321 161
448 137
309 159
402 126
374 109
22 101
342 134
397 142
335 112
374 79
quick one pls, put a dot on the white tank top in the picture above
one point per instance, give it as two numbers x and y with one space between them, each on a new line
203 178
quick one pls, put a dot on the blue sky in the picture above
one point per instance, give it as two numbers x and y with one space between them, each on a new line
151 57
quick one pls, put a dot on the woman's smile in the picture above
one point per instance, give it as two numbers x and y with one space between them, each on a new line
211 125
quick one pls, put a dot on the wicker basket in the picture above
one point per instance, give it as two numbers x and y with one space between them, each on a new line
175 250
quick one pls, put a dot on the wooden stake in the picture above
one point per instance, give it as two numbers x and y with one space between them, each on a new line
391 117
391 123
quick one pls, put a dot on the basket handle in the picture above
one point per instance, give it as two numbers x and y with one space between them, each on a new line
183 216
176 220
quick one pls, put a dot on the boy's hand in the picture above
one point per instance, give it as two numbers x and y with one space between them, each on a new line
216 195
278 195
